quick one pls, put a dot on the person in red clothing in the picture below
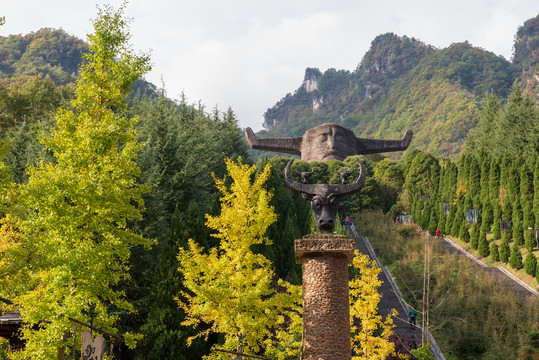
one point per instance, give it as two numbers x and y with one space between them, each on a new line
438 232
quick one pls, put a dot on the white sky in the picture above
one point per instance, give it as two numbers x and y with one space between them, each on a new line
248 54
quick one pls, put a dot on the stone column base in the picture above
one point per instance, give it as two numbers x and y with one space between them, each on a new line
326 310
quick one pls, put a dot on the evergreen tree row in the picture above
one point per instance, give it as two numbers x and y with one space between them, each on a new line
491 192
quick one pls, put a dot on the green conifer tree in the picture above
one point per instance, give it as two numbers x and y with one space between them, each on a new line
425 216
464 233
457 222
515 260
494 252
474 240
164 336
508 215
486 217
518 230
483 246
450 219
442 219
474 183
484 160
530 264
505 250
487 125
463 230
433 222
496 230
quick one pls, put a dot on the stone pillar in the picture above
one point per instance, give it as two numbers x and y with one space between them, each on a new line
326 310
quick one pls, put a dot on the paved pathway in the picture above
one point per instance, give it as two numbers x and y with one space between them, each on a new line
499 273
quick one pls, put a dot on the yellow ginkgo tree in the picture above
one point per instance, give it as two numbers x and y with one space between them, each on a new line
233 289
370 332
65 239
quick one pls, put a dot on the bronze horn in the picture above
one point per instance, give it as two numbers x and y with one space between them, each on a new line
324 189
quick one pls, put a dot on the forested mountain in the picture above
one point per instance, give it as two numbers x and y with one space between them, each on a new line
402 83
47 52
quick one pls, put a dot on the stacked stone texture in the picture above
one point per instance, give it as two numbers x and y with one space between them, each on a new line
326 312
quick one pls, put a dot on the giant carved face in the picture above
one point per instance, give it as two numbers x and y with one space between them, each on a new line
328 142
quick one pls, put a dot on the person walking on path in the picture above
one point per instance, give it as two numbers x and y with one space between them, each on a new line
412 317
438 233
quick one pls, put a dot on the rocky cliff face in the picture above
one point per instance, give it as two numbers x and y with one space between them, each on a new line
389 59
526 56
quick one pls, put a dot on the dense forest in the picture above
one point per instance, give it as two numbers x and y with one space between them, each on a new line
105 177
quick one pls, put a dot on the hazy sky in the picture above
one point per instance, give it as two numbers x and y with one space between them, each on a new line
248 54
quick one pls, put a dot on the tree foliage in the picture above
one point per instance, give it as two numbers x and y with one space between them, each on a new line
370 332
230 287
73 214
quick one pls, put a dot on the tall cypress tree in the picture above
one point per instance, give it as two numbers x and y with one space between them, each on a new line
490 113
505 250
526 198
530 263
442 219
474 239
494 181
486 217
496 231
457 222
485 171
483 246
494 252
450 219
474 183
513 180
515 260
464 233
518 231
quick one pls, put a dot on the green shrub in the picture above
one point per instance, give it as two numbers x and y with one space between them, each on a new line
483 247
530 264
464 234
529 240
505 251
494 253
515 260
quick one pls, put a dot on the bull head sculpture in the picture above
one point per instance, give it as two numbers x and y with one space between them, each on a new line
325 198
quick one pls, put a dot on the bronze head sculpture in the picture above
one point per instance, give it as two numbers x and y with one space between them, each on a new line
327 142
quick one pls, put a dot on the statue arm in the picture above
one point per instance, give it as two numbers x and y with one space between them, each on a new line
285 145
373 146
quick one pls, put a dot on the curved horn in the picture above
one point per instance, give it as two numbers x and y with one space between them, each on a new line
373 146
356 185
324 189
294 185
285 145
